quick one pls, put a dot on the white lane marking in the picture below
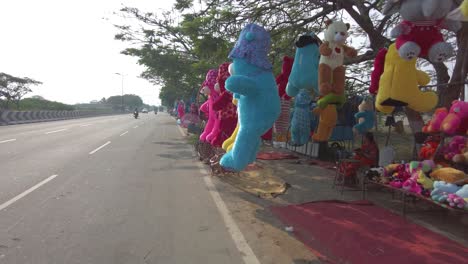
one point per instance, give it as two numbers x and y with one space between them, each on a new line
56 131
135 127
124 133
246 252
248 256
28 191
96 150
8 140
85 125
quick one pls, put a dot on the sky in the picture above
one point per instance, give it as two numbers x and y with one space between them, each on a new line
69 47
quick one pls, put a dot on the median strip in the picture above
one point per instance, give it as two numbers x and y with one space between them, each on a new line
28 191
56 131
96 150
8 140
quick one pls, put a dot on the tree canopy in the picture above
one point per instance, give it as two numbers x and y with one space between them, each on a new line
14 88
178 46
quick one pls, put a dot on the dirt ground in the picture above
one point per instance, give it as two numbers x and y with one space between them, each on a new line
273 244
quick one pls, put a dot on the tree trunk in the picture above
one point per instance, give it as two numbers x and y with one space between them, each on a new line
416 124
453 90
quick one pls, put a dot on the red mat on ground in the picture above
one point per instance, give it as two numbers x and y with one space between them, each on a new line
272 155
360 232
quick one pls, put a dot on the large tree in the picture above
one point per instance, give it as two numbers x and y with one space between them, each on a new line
178 46
14 88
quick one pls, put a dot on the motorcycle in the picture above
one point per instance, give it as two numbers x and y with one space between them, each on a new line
135 114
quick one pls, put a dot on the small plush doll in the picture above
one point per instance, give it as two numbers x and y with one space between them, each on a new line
331 70
453 147
304 74
253 85
365 117
442 189
429 148
300 123
419 34
456 201
433 126
399 85
226 110
207 107
456 122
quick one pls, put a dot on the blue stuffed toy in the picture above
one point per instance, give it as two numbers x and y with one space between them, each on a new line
304 73
365 117
254 86
300 123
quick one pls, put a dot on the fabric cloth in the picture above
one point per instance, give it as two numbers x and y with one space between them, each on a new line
253 46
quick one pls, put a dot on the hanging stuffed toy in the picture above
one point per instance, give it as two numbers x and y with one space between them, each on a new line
327 121
399 85
419 34
282 124
379 62
227 112
365 117
331 70
304 73
181 109
460 13
254 86
207 107
229 143
300 123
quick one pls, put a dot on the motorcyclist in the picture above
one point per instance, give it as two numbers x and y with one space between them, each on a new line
135 113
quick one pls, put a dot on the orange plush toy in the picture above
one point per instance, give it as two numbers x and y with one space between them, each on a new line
331 70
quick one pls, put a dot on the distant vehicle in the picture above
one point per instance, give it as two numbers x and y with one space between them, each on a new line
144 110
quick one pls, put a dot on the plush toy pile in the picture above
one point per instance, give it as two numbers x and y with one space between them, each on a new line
443 185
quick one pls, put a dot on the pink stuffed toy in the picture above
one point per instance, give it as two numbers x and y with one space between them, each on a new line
456 122
412 185
226 110
456 201
181 109
454 147
207 107
433 126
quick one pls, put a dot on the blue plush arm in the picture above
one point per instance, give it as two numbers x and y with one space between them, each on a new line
242 85
360 114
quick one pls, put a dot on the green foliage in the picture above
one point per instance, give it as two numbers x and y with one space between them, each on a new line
14 88
30 104
130 101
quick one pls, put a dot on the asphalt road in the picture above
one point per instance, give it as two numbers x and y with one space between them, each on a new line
107 190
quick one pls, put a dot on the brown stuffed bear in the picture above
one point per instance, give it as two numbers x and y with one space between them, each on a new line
331 69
